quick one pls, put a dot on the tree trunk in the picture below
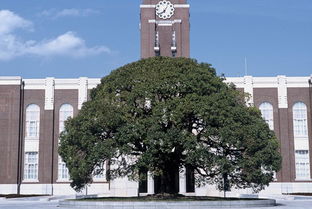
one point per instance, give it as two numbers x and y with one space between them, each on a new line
168 182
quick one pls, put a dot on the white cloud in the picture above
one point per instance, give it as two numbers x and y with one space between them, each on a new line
67 44
10 21
68 12
73 12
10 47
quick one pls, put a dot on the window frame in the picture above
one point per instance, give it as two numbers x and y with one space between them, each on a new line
102 176
66 111
62 171
31 176
302 163
267 109
300 124
32 116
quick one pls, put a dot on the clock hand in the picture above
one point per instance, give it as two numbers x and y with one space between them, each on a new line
160 12
164 9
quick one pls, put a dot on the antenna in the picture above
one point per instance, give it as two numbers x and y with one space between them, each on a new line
246 67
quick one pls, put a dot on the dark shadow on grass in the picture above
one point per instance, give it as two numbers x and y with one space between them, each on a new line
279 205
165 198
10 196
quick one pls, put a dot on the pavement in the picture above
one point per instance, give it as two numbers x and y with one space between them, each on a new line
284 202
27 205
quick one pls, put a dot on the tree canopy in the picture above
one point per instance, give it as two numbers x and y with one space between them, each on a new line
163 114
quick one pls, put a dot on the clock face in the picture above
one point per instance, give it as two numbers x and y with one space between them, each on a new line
164 9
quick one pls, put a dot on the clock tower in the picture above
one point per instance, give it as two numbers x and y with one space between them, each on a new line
165 28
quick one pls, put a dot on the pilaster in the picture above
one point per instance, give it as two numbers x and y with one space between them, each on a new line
49 94
150 184
282 91
182 182
82 91
248 88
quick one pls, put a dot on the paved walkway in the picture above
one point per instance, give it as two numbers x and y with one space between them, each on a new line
27 205
42 204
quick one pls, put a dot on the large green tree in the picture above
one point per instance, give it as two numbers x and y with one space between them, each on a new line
162 114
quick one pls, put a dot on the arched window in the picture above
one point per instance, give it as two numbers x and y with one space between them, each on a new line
301 140
66 111
300 120
32 121
267 114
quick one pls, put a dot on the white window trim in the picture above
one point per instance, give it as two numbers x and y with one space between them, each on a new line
68 108
308 178
30 181
58 174
264 107
32 108
302 120
303 179
102 179
31 138
37 174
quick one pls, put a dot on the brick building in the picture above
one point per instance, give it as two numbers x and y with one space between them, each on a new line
33 111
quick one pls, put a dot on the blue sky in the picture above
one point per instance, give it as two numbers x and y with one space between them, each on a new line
74 38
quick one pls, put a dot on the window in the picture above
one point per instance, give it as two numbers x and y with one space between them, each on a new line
66 111
32 121
267 114
300 120
99 173
302 165
63 174
143 180
31 166
302 158
190 179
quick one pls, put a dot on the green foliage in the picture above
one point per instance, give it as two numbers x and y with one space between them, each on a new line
163 113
